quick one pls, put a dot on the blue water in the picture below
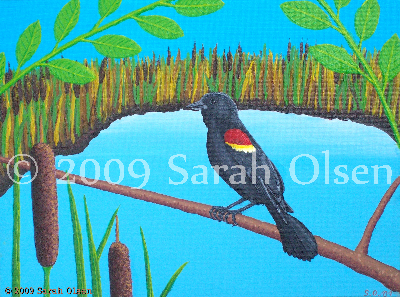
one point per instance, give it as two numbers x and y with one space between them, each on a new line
223 260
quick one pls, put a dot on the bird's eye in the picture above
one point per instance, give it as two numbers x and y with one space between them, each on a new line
213 101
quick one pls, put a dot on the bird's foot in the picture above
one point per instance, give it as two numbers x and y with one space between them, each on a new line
221 214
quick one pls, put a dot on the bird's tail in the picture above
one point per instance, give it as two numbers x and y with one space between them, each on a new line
297 240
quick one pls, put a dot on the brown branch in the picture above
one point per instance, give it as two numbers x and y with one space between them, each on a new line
366 238
359 262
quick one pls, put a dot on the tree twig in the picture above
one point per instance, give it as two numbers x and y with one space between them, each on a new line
359 262
366 238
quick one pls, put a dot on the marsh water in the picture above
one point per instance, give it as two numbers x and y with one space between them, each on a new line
335 174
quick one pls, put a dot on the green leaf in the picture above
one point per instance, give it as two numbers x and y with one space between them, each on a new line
149 284
334 58
116 46
195 8
28 43
2 66
94 263
341 3
66 20
70 71
107 7
306 14
106 235
389 59
160 26
366 19
77 239
171 282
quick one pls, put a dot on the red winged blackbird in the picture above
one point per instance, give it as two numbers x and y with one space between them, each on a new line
231 147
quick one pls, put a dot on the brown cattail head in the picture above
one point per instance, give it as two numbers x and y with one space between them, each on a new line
9 75
27 90
240 61
119 268
336 77
202 53
137 81
289 50
44 204
77 90
224 63
230 60
305 51
15 100
215 62
169 57
151 71
146 70
102 70
301 50
3 108
194 53
47 71
67 87
35 89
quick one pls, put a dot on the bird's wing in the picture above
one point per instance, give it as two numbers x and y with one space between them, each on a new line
271 189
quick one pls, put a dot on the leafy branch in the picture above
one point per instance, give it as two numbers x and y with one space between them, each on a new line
113 46
308 15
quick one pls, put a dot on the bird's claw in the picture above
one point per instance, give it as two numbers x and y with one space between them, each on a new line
221 214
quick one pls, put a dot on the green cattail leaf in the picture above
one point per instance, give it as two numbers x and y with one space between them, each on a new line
77 239
66 20
334 58
107 7
389 59
70 71
341 3
195 8
160 26
366 19
306 14
94 263
28 43
106 235
116 46
171 282
149 284
2 65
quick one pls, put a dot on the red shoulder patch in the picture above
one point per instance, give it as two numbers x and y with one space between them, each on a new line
236 136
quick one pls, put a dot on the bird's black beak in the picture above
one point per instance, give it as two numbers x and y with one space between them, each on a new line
199 105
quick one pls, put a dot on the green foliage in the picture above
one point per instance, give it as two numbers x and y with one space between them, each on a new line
2 65
334 58
306 14
70 71
116 46
366 19
160 26
389 59
106 235
341 3
195 8
77 239
149 284
28 43
66 20
107 7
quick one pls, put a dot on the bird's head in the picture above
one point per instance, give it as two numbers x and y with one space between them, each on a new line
215 107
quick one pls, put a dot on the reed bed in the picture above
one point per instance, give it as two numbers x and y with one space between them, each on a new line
47 110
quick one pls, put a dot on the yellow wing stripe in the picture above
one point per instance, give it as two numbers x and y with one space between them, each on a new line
242 148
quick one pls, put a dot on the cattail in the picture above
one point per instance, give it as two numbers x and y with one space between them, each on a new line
102 70
27 90
301 49
151 71
67 87
119 267
3 108
202 53
230 60
137 81
9 75
77 90
169 57
224 63
240 61
289 50
35 89
15 100
44 204
306 51
47 71
336 77
146 70
42 85
215 63
194 52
